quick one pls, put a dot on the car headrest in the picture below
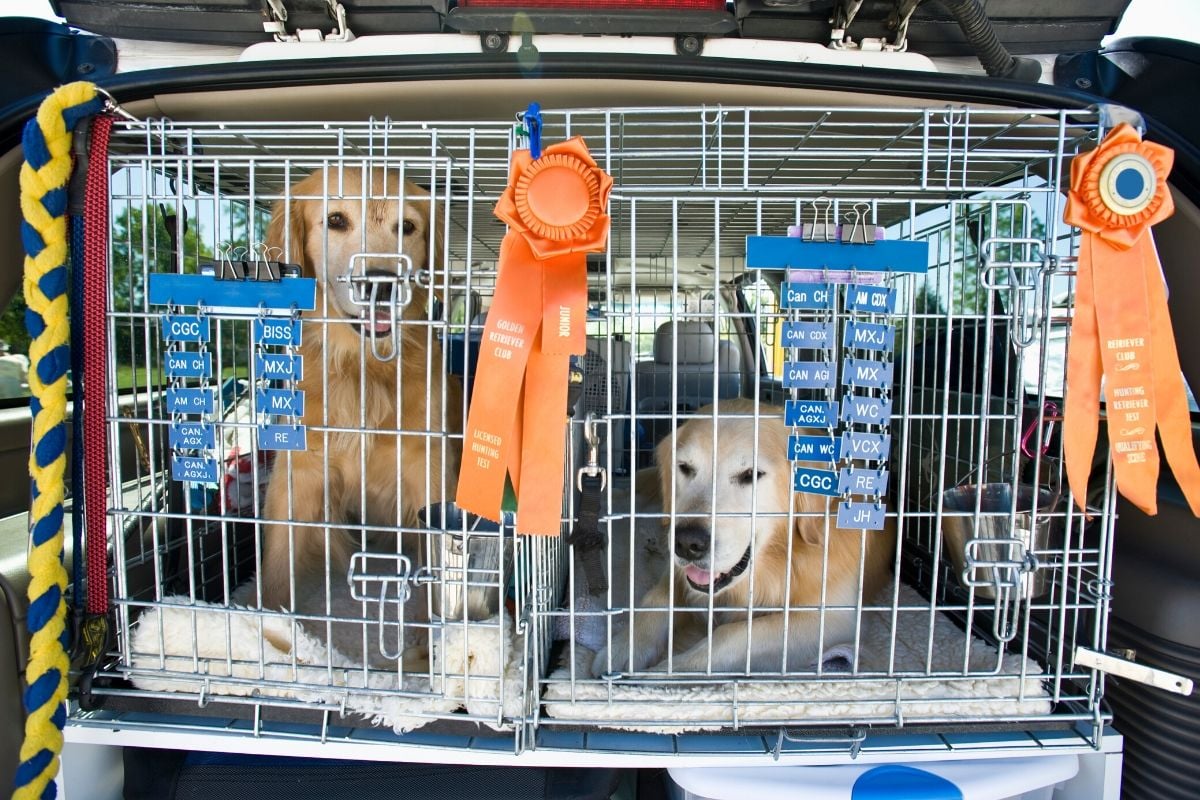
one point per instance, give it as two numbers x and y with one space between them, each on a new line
729 357
695 340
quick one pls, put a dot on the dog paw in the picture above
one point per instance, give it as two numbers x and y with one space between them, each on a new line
694 659
614 659
600 664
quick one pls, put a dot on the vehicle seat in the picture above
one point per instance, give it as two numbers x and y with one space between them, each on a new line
729 365
606 391
691 356
462 350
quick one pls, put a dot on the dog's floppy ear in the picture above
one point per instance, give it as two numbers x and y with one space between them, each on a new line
809 529
666 471
416 197
435 260
288 231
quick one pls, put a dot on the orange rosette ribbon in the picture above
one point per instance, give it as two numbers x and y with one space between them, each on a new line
556 208
1121 332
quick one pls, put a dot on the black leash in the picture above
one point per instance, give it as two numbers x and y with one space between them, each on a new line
586 537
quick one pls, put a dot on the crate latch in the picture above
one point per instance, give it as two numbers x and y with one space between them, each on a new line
386 579
1130 670
1012 579
1017 265
383 292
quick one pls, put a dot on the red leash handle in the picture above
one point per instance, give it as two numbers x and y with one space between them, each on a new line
95 367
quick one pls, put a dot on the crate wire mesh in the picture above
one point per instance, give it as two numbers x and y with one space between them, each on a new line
979 347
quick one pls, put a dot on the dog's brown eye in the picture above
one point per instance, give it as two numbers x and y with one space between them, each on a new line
409 227
747 477
687 470
337 221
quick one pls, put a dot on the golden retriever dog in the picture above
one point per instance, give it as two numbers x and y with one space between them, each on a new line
747 564
375 397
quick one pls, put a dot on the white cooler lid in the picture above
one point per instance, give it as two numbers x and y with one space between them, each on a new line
982 779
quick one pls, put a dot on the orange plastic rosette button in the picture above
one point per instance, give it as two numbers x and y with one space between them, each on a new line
558 203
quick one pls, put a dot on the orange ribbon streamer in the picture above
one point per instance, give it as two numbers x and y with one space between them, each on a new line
556 209
1121 333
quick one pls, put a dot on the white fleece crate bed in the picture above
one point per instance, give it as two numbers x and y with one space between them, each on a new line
236 641
1009 686
1012 688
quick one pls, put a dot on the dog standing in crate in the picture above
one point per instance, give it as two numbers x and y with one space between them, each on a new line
374 382
753 567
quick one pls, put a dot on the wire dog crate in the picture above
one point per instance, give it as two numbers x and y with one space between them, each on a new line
285 543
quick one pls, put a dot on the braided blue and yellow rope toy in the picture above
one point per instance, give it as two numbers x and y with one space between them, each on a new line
44 178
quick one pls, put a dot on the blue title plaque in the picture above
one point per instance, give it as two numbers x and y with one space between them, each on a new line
870 299
281 437
194 468
192 436
792 252
191 401
863 516
814 448
816 481
866 446
185 329
281 402
186 364
279 367
860 480
866 410
869 336
866 373
808 296
809 335
810 413
809 375
289 294
278 332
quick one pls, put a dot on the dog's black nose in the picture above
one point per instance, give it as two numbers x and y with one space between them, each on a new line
691 542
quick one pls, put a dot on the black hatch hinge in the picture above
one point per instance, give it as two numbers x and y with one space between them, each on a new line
276 13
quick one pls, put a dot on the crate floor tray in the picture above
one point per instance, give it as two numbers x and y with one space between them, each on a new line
927 682
193 647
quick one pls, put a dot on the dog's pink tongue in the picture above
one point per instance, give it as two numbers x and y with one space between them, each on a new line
700 577
381 321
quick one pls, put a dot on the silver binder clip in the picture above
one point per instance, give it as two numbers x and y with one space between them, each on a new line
857 230
822 227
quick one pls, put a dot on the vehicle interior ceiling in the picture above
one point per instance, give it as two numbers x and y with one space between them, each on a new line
1178 239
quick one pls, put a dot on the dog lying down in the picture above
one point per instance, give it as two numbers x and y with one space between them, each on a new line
764 560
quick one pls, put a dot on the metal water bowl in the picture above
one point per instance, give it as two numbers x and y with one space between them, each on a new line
469 565
997 550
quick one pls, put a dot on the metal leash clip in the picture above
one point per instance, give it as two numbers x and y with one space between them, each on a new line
591 468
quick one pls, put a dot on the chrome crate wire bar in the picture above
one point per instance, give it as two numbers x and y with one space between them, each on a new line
690 184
